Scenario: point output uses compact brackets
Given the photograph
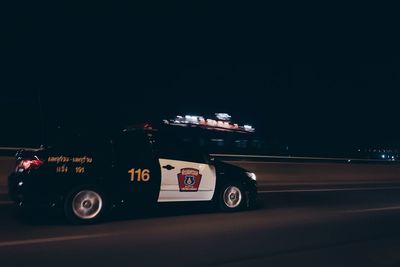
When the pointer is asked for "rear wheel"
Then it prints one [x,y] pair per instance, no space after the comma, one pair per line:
[85,205]
[231,197]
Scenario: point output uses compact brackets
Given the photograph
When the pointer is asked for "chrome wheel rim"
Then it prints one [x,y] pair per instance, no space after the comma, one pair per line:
[87,204]
[232,197]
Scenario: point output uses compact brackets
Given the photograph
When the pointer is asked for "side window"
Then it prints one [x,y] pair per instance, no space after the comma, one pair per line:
[134,145]
[173,147]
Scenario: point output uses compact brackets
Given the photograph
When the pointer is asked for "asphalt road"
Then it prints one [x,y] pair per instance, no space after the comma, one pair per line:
[314,174]
[335,228]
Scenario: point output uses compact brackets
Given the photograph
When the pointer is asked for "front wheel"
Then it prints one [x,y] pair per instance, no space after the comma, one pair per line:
[231,197]
[85,205]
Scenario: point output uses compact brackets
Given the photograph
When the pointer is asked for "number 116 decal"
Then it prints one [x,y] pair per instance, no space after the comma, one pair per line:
[139,175]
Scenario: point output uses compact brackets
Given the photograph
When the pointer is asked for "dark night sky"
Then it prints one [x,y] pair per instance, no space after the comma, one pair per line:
[322,76]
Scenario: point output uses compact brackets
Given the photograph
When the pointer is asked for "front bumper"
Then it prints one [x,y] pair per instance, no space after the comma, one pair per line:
[251,192]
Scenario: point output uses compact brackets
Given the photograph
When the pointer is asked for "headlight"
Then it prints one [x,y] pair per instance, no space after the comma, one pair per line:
[251,175]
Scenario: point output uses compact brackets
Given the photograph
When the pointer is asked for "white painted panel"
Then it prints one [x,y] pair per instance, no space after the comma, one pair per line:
[170,190]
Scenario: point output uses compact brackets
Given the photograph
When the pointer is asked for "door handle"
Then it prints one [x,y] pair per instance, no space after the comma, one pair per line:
[168,167]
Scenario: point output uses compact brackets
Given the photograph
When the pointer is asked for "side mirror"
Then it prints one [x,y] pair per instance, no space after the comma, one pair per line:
[208,159]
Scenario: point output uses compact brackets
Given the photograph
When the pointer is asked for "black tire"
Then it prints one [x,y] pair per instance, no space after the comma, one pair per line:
[231,197]
[85,205]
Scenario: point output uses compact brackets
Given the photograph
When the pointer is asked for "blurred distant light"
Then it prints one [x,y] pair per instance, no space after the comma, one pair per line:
[248,127]
[223,122]
[383,156]
[192,119]
[223,116]
[211,122]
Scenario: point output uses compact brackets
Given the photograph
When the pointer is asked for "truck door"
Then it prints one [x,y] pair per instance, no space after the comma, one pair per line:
[137,170]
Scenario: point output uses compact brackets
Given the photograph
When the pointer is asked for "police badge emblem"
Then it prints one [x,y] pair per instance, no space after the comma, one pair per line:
[189,180]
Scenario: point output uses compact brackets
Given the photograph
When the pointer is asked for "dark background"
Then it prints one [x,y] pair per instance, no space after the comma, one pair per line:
[316,77]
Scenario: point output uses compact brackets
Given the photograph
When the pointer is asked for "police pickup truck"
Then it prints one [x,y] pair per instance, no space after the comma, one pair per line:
[141,165]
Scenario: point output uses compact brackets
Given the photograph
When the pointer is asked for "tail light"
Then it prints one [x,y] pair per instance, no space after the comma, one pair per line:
[28,164]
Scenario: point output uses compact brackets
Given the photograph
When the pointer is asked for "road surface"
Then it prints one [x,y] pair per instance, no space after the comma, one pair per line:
[334,228]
